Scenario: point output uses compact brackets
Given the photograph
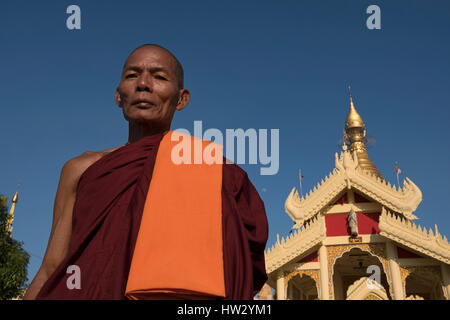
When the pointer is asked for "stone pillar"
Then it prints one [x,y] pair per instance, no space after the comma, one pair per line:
[397,285]
[288,292]
[445,272]
[323,261]
[339,293]
[280,286]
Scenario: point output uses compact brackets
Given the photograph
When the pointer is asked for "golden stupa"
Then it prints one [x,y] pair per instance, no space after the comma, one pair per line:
[356,132]
[10,218]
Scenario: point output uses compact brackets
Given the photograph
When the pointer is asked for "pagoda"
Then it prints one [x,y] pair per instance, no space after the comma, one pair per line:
[354,237]
[10,216]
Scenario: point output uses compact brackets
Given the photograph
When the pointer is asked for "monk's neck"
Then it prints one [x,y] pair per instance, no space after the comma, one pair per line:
[137,131]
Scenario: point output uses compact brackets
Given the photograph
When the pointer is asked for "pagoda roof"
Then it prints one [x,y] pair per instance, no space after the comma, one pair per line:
[414,237]
[346,175]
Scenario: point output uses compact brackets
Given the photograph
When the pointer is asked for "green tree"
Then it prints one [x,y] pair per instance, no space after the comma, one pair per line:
[13,259]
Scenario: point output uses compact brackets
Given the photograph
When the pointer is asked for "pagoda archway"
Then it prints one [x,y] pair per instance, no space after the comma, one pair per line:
[302,287]
[423,283]
[354,265]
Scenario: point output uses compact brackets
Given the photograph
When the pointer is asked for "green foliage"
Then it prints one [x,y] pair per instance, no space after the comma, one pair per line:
[13,259]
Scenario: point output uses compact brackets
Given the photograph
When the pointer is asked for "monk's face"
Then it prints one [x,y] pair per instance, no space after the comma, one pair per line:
[148,91]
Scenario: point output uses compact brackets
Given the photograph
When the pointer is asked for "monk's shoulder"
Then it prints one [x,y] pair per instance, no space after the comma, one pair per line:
[236,182]
[79,164]
[74,168]
[234,177]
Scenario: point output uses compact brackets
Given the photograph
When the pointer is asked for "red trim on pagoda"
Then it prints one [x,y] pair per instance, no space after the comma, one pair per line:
[337,224]
[402,253]
[368,222]
[313,257]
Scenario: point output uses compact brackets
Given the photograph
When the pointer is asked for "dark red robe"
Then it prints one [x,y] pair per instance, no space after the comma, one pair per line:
[106,216]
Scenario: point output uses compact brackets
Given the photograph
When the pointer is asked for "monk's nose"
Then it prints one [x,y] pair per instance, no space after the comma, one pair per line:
[145,83]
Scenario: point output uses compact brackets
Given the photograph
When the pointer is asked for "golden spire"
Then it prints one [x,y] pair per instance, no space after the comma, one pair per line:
[356,133]
[353,120]
[11,211]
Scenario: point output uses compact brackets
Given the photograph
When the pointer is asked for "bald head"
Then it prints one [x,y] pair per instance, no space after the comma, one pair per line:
[151,88]
[177,67]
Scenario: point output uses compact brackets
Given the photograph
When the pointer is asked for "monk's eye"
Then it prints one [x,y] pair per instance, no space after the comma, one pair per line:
[160,77]
[131,75]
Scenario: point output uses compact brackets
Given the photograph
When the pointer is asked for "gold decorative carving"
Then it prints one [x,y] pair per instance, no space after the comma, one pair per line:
[372,296]
[375,249]
[313,274]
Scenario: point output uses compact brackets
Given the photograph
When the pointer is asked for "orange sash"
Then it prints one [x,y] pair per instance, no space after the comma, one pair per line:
[178,252]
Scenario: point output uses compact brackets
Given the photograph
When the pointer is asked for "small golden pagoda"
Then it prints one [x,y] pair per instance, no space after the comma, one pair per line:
[354,237]
[10,218]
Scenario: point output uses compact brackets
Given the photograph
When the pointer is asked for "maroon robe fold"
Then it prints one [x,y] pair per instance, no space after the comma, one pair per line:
[106,217]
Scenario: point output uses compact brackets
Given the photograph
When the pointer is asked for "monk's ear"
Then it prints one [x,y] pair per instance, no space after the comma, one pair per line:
[117,98]
[183,99]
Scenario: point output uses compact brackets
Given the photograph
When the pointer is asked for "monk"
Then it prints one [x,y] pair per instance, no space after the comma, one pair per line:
[103,197]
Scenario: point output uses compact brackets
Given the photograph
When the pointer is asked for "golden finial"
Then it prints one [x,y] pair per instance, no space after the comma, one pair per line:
[14,200]
[353,118]
[16,197]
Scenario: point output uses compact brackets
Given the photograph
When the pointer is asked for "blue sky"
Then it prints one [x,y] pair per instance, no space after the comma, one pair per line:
[248,64]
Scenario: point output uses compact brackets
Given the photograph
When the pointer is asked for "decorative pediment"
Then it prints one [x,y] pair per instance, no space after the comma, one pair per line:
[366,289]
[298,242]
[347,174]
[413,236]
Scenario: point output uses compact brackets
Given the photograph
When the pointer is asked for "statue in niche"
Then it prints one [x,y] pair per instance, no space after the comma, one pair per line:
[352,223]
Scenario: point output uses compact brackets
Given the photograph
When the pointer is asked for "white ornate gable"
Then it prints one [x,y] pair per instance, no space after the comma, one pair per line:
[301,240]
[413,236]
